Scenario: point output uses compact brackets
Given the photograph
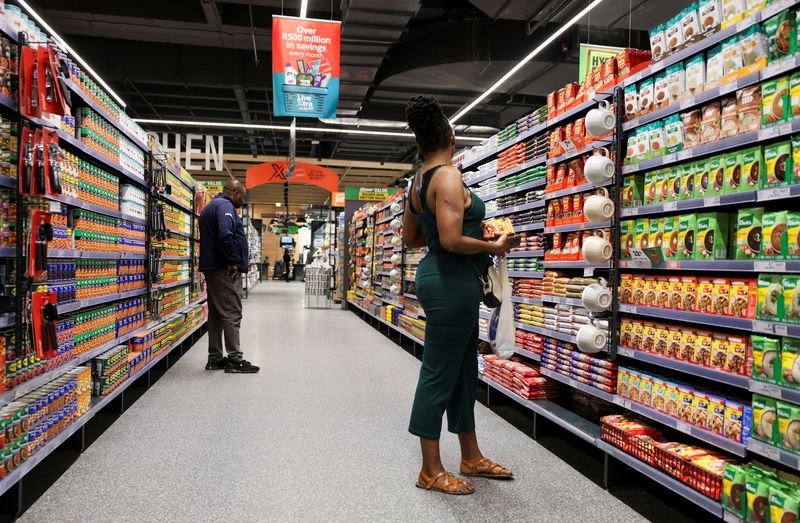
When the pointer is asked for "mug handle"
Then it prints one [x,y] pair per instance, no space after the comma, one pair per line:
[603,104]
[603,190]
[603,151]
[603,282]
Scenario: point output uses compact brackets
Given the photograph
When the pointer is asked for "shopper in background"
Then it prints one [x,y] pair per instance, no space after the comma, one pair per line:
[287,262]
[446,217]
[223,258]
[265,269]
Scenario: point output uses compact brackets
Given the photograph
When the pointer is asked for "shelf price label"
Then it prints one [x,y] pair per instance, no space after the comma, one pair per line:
[767,389]
[763,326]
[769,132]
[769,266]
[684,427]
[774,193]
[685,154]
[671,206]
[729,87]
[711,201]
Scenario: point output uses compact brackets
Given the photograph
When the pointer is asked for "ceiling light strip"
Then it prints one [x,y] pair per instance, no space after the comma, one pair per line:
[267,127]
[525,60]
[63,44]
[303,8]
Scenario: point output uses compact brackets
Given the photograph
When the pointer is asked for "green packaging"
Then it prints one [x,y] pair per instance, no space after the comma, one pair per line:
[752,167]
[687,181]
[633,191]
[651,187]
[764,416]
[774,236]
[778,164]
[662,184]
[716,175]
[782,34]
[791,298]
[733,172]
[790,363]
[784,505]
[656,232]
[627,231]
[671,237]
[793,234]
[769,304]
[734,498]
[748,233]
[712,236]
[701,176]
[788,425]
[687,227]
[757,488]
[766,358]
[642,240]
[775,101]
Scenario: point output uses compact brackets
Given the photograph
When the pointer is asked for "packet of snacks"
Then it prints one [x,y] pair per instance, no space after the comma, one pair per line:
[497,227]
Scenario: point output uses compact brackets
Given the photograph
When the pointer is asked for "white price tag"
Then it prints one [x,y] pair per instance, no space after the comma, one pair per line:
[626,404]
[728,87]
[632,168]
[772,452]
[728,517]
[625,352]
[671,206]
[711,201]
[781,330]
[763,326]
[673,265]
[774,193]
[769,132]
[685,154]
[633,211]
[683,427]
[687,102]
[767,389]
[569,147]
[769,266]
[572,383]
[669,158]
[634,122]
[588,272]
[641,259]
[55,207]
[785,128]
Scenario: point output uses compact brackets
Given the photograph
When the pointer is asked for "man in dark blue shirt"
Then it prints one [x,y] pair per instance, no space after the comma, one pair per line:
[223,257]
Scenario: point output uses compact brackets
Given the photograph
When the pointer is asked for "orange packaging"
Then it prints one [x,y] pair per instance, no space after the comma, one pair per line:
[608,71]
[570,93]
[743,297]
[550,220]
[561,176]
[639,287]
[719,351]
[560,100]
[626,288]
[705,295]
[577,209]
[579,131]
[662,339]
[550,175]
[721,297]
[736,361]
[552,105]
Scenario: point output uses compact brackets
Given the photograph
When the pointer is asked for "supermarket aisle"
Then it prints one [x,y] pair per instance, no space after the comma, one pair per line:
[320,433]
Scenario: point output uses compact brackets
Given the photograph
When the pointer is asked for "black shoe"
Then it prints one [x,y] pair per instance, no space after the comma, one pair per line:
[218,365]
[241,367]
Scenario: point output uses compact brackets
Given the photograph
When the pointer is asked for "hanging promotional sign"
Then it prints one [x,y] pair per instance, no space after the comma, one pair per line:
[590,56]
[305,66]
[338,199]
[369,194]
[305,173]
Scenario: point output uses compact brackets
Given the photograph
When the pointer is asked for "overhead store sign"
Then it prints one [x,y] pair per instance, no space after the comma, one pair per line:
[305,66]
[193,158]
[304,173]
[338,199]
[369,194]
[593,55]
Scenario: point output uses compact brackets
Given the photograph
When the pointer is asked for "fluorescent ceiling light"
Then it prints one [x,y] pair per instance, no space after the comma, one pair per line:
[278,204]
[303,8]
[231,125]
[61,43]
[525,60]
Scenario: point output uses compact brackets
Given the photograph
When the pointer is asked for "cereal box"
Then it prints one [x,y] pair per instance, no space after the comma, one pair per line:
[743,298]
[705,295]
[738,419]
[688,343]
[659,401]
[622,382]
[675,342]
[650,337]
[634,386]
[662,294]
[716,414]
[639,287]
[719,351]
[646,389]
[700,409]
[673,400]
[662,339]
[689,284]
[638,336]
[702,354]
[626,288]
[650,290]
[721,296]
[686,395]
[737,355]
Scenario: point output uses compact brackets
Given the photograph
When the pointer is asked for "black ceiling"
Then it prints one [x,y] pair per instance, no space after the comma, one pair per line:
[210,59]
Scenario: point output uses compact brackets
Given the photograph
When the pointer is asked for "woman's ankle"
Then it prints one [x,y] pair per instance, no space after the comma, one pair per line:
[432,470]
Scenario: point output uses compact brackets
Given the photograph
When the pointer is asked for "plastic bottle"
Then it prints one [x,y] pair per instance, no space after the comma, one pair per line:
[290,77]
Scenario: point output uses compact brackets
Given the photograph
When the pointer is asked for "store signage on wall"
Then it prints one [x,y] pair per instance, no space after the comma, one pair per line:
[338,199]
[593,55]
[305,173]
[193,158]
[305,66]
[369,194]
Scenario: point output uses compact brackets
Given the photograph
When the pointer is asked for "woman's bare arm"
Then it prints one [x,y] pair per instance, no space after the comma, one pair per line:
[449,208]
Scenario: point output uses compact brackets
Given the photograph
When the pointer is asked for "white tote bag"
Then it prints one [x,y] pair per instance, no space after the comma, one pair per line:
[503,344]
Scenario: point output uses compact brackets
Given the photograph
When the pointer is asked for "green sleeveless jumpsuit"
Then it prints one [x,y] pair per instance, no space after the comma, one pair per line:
[449,291]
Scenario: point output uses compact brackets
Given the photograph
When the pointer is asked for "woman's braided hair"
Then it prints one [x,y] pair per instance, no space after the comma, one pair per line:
[430,126]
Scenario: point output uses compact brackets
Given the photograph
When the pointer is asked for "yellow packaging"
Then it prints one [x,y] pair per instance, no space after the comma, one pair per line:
[660,395]
[702,353]
[622,382]
[662,339]
[662,294]
[646,389]
[688,345]
[716,414]
[673,399]
[686,395]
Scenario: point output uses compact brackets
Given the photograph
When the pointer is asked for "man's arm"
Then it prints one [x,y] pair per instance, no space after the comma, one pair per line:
[226,226]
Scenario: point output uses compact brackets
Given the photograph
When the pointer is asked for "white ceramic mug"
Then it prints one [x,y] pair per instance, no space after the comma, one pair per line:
[368,258]
[600,121]
[396,224]
[396,207]
[395,289]
[397,241]
[598,208]
[396,258]
[596,297]
[394,274]
[599,168]
[596,250]
[366,273]
[590,339]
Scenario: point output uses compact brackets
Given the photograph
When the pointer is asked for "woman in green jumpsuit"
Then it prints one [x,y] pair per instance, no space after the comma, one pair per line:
[446,217]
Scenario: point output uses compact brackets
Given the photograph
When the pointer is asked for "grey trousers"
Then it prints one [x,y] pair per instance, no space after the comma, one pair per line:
[224,314]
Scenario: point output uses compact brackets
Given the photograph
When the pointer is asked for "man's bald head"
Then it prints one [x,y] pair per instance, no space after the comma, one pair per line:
[236,192]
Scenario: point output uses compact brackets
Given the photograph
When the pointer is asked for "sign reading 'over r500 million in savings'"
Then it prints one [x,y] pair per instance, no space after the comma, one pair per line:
[305,66]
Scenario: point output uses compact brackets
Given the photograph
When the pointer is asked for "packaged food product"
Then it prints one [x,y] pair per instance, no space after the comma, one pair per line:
[752,167]
[793,234]
[732,59]
[695,74]
[712,236]
[716,174]
[748,233]
[734,497]
[645,389]
[671,237]
[791,298]
[701,177]
[774,238]
[656,232]
[673,129]
[719,351]
[687,227]
[657,138]
[766,354]
[784,504]
[790,363]
[788,425]
[689,293]
[673,400]
[710,15]
[778,164]
[631,102]
[676,82]
[659,401]
[710,125]
[714,67]
[686,190]
[794,94]
[496,227]
[764,416]
[690,23]
[646,96]
[737,355]
[638,295]
[743,298]
[622,382]
[634,386]
[748,101]
[734,163]
[633,191]
[753,43]
[660,90]
[686,395]
[732,10]
[688,342]
[781,32]
[673,32]
[738,419]
[775,101]
[628,237]
[691,128]
[662,184]
[657,42]
[716,414]
[770,297]
[757,487]
[642,240]
[699,409]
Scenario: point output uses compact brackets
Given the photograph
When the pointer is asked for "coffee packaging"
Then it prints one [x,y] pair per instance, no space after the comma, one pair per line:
[712,236]
[752,167]
[687,227]
[782,35]
[775,101]
[791,298]
[778,164]
[716,174]
[774,238]
[790,363]
[748,233]
[658,44]
[748,101]
[710,15]
[793,234]
[733,172]
[770,297]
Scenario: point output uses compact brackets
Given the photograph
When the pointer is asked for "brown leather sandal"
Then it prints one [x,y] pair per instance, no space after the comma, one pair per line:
[485,468]
[445,483]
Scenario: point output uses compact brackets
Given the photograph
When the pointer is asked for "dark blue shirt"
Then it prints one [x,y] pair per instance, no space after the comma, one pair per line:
[222,239]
